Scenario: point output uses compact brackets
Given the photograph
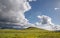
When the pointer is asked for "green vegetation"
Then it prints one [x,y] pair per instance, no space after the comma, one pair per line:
[28,33]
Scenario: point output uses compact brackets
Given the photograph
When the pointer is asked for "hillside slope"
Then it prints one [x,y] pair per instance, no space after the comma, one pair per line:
[30,32]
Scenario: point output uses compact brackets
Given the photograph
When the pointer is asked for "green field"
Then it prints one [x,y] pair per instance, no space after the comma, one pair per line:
[28,33]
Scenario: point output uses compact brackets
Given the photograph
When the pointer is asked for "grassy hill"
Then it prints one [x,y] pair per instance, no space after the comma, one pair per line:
[30,32]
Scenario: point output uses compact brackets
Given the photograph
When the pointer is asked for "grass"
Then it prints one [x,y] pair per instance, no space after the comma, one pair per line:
[28,33]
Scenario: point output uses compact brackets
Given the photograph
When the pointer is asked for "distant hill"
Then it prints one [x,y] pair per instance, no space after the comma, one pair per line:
[30,32]
[39,29]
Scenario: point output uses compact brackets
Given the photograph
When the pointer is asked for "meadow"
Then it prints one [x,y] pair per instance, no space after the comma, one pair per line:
[28,33]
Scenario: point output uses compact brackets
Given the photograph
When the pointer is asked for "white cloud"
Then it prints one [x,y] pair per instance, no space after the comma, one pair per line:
[47,24]
[12,11]
[45,19]
[56,8]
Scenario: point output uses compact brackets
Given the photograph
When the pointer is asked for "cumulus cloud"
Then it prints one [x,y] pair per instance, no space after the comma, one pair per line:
[12,11]
[45,19]
[46,23]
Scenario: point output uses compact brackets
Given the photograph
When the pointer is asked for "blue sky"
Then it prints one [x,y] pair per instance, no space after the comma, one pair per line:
[50,8]
[38,13]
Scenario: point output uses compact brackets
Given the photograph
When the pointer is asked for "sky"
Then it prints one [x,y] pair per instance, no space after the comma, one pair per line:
[49,8]
[43,14]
